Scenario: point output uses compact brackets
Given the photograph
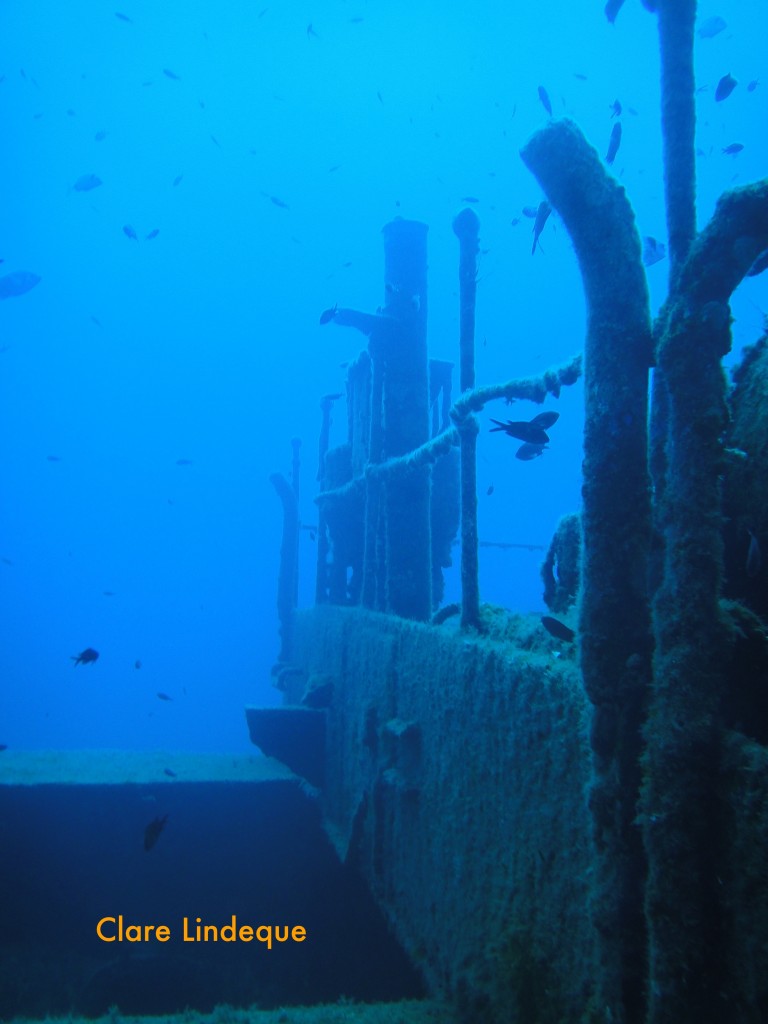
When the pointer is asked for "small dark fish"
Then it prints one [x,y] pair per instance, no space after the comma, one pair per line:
[542,215]
[515,221]
[99,136]
[311,32]
[328,314]
[215,141]
[86,182]
[530,211]
[152,234]
[711,27]
[170,773]
[489,492]
[580,77]
[615,109]
[612,8]
[613,143]
[171,74]
[163,696]
[544,97]
[53,458]
[725,87]
[522,430]
[130,232]
[18,283]
[558,629]
[528,451]
[469,199]
[177,180]
[753,85]
[545,420]
[152,832]
[760,264]
[109,593]
[123,17]
[6,561]
[653,251]
[733,149]
[754,556]
[184,462]
[277,201]
[86,657]
[137,664]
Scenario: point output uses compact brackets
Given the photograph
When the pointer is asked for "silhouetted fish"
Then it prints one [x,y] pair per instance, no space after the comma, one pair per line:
[152,832]
[711,27]
[86,657]
[545,420]
[528,451]
[163,696]
[123,17]
[613,143]
[725,87]
[18,283]
[557,628]
[130,232]
[86,182]
[152,234]
[734,148]
[170,773]
[137,664]
[615,109]
[522,430]
[544,97]
[653,251]
[171,74]
[99,136]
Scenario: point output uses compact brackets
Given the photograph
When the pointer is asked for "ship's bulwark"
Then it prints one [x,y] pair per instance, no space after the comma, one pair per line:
[456,778]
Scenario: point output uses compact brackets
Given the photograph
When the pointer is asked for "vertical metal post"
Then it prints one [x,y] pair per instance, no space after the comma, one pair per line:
[465,227]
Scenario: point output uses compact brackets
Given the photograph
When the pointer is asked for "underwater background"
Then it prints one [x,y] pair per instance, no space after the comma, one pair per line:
[194,184]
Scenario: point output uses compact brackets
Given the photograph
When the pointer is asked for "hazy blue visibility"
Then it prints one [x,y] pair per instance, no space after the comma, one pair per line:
[194,183]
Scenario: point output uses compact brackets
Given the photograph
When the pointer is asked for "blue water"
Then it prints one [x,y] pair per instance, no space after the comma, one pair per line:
[202,343]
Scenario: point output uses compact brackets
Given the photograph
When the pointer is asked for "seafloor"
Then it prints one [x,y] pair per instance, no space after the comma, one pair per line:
[343,1012]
